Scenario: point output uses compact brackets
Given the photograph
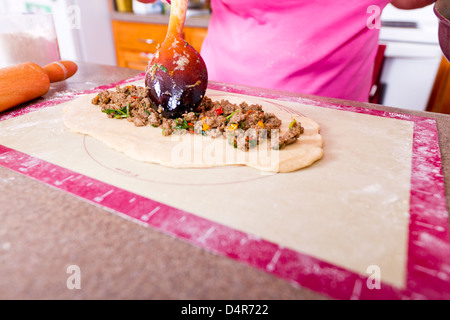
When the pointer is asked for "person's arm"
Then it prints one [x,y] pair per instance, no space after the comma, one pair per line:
[411,4]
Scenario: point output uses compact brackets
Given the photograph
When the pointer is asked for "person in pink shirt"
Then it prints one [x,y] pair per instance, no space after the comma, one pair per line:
[318,47]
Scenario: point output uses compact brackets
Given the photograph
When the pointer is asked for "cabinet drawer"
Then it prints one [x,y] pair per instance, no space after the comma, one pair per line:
[138,36]
[134,41]
[134,59]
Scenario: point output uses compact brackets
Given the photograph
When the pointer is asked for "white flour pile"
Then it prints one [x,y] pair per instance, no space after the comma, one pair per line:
[25,47]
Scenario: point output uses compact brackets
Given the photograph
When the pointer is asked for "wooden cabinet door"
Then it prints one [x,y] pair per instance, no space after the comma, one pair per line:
[135,60]
[440,95]
[136,42]
[195,36]
[138,36]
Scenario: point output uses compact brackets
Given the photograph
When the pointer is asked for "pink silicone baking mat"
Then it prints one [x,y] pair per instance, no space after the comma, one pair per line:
[428,267]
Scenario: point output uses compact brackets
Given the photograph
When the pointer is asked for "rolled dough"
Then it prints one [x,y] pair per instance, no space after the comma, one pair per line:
[147,144]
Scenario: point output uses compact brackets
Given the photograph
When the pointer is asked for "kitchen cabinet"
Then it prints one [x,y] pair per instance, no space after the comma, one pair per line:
[440,95]
[136,42]
[195,36]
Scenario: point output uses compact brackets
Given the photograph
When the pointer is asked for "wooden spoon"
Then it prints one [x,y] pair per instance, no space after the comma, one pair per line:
[176,76]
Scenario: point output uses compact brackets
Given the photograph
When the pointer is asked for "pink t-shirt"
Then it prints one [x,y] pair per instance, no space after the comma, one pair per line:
[309,46]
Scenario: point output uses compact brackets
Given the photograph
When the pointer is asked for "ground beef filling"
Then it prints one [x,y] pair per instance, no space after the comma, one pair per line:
[245,126]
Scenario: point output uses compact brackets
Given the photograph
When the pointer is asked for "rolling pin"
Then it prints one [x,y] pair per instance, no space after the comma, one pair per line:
[27,81]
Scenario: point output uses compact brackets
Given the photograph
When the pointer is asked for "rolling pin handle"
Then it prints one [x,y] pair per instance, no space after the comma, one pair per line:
[60,70]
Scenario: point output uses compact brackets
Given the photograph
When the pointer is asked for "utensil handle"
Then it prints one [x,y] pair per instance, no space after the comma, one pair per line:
[60,70]
[177,17]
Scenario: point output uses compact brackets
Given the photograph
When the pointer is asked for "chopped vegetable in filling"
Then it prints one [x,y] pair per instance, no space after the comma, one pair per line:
[245,126]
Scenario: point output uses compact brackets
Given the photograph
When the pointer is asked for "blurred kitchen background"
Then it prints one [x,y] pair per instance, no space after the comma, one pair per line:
[126,32]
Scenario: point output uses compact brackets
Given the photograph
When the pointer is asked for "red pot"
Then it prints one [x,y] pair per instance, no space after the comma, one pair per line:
[442,11]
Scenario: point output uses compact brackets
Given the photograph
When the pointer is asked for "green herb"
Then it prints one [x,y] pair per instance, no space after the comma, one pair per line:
[229,117]
[109,111]
[119,113]
[163,68]
[148,112]
[160,66]
[184,124]
[293,122]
